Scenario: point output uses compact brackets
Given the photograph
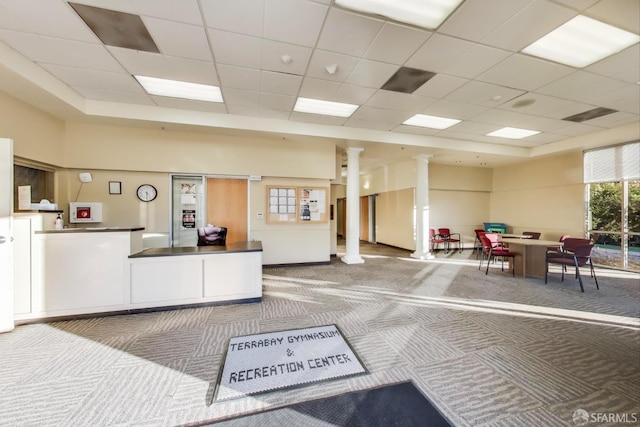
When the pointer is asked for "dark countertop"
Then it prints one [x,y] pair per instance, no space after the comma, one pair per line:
[200,250]
[89,230]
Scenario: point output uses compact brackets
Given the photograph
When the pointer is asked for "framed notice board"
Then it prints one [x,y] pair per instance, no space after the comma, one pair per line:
[313,204]
[282,204]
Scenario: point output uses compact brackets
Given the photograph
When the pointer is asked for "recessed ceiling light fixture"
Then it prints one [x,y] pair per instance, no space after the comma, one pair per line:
[326,108]
[423,13]
[178,89]
[433,122]
[581,42]
[513,133]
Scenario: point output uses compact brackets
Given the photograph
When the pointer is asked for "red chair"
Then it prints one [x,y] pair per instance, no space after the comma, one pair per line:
[477,245]
[449,237]
[435,239]
[578,256]
[492,248]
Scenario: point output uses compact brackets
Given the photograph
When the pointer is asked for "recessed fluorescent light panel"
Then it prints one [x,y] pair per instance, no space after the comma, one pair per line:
[326,108]
[513,133]
[178,89]
[581,42]
[432,122]
[423,13]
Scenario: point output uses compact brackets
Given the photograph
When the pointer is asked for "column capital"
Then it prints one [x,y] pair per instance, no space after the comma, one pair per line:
[354,150]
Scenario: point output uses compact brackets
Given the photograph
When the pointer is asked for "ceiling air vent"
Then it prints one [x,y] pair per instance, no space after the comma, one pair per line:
[590,114]
[117,28]
[407,80]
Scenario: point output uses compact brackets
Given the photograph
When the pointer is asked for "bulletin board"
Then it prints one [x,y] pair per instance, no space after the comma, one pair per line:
[282,204]
[313,204]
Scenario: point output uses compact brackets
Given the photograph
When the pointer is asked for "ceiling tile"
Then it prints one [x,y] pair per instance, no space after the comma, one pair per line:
[396,43]
[582,86]
[624,14]
[94,79]
[381,114]
[537,104]
[322,58]
[241,97]
[50,18]
[398,101]
[166,101]
[304,26]
[165,67]
[280,83]
[524,72]
[191,44]
[613,120]
[623,65]
[238,16]
[438,53]
[114,96]
[547,16]
[471,127]
[353,94]
[239,77]
[319,89]
[452,109]
[440,86]
[274,101]
[317,118]
[625,98]
[480,93]
[465,22]
[348,33]
[185,11]
[236,49]
[417,130]
[501,118]
[272,53]
[475,61]
[60,51]
[371,74]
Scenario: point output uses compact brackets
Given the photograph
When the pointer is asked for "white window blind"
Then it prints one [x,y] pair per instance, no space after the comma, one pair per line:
[621,162]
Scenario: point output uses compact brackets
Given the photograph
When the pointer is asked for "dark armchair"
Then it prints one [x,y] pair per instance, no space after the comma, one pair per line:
[573,256]
[212,235]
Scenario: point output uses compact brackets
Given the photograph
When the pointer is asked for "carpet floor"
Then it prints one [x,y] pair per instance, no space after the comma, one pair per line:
[487,350]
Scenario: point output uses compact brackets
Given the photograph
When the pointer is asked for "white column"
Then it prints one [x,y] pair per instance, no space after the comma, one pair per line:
[352,255]
[423,248]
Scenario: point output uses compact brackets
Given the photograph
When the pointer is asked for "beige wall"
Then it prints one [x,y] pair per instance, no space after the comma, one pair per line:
[140,149]
[290,243]
[459,199]
[36,135]
[544,195]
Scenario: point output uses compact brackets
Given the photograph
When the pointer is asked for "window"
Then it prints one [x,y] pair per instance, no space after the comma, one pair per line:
[612,176]
[40,180]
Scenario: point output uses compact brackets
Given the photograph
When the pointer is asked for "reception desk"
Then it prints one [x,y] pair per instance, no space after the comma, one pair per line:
[195,275]
[100,270]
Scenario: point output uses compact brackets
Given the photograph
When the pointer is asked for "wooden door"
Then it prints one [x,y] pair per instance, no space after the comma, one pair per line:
[227,206]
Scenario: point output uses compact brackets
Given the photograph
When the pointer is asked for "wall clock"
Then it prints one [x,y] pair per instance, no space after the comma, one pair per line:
[147,192]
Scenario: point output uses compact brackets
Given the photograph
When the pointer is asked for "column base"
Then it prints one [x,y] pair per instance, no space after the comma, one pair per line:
[428,255]
[352,259]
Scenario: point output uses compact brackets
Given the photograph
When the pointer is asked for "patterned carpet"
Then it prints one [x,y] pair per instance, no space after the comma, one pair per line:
[488,350]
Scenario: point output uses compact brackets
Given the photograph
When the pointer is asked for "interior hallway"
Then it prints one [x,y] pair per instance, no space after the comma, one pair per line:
[488,350]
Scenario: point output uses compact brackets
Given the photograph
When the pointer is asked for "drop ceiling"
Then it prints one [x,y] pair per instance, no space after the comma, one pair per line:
[264,54]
